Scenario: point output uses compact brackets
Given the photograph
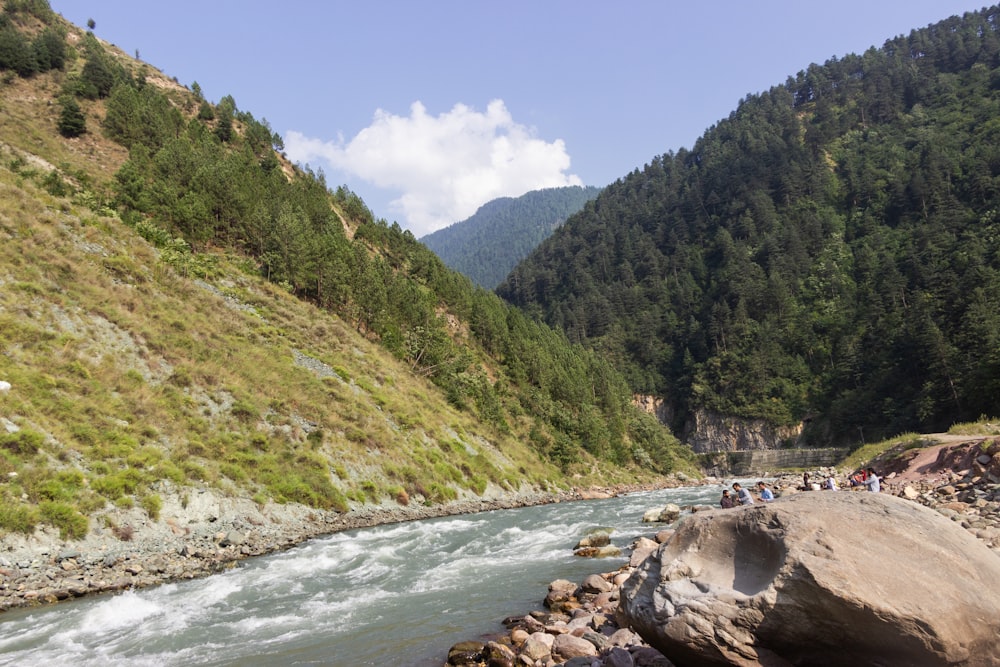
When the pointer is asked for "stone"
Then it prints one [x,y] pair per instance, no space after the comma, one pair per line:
[532,625]
[518,636]
[498,655]
[618,657]
[466,653]
[663,536]
[536,648]
[666,514]
[624,637]
[819,579]
[595,540]
[561,592]
[231,538]
[609,551]
[955,506]
[651,515]
[599,641]
[569,646]
[649,657]
[641,549]
[595,583]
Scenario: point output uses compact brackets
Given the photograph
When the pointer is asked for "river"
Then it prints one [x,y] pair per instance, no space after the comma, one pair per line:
[398,595]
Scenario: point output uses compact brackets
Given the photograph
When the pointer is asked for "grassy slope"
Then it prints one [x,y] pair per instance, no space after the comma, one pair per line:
[128,367]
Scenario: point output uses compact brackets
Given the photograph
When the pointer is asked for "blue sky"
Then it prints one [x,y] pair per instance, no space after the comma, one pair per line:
[428,109]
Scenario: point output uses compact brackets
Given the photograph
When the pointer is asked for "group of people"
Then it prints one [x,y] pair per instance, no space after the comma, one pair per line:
[866,478]
[744,497]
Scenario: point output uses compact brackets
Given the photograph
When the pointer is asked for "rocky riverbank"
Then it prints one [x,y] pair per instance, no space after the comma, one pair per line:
[200,532]
[581,625]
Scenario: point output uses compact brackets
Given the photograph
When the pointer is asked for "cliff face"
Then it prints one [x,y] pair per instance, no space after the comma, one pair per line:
[706,431]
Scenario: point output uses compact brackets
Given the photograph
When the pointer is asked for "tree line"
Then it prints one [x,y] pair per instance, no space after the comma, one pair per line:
[826,254]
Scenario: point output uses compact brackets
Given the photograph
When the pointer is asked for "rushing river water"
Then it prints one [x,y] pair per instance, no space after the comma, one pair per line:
[393,595]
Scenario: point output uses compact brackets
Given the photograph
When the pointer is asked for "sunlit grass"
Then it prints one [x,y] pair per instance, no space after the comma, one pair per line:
[985,426]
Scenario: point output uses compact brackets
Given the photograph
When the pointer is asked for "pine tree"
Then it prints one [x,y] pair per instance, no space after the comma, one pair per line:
[72,122]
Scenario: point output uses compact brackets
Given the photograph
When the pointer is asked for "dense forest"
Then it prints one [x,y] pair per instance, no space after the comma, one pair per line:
[203,178]
[829,253]
[486,246]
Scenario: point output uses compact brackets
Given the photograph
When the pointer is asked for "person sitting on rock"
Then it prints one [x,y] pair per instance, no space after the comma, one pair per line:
[830,484]
[766,495]
[742,494]
[727,500]
[872,481]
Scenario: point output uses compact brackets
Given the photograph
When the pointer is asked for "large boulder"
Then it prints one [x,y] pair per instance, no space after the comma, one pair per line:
[820,579]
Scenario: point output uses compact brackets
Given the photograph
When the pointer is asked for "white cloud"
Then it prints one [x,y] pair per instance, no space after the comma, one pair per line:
[445,166]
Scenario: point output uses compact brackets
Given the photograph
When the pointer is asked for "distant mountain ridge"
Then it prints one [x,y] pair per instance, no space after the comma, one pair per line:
[487,245]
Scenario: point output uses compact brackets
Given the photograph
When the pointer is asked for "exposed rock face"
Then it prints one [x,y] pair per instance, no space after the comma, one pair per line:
[708,431]
[712,432]
[832,578]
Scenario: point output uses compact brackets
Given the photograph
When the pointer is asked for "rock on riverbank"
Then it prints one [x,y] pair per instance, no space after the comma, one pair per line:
[960,481]
[820,578]
[579,627]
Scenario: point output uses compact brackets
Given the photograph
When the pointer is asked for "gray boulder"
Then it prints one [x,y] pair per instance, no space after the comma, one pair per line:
[570,646]
[819,579]
[667,514]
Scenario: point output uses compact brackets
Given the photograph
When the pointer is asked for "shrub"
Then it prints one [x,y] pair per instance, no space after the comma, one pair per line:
[18,518]
[71,524]
[152,504]
[123,533]
[244,411]
[477,483]
[402,497]
[234,472]
[194,471]
[22,443]
[118,484]
[370,489]
[439,493]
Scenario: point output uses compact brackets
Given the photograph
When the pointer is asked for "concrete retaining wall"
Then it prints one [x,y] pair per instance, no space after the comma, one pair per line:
[760,461]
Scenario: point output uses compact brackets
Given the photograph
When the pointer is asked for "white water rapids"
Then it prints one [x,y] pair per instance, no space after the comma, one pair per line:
[400,594]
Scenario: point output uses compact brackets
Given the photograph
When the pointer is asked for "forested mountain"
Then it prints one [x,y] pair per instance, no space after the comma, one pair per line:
[180,306]
[486,246]
[830,252]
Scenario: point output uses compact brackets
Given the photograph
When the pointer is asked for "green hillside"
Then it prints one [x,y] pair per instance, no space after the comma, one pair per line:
[180,305]
[828,253]
[486,246]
